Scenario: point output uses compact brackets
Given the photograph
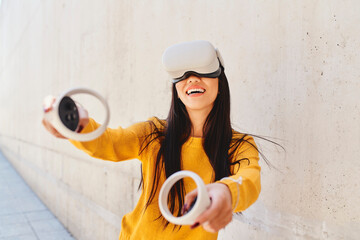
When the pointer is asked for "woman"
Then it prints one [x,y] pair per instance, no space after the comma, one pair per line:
[196,136]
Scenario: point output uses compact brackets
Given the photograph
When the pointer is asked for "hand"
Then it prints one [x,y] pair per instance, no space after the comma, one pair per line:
[48,106]
[219,214]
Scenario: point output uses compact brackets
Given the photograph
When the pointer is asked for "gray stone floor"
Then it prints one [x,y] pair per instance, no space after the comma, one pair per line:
[22,215]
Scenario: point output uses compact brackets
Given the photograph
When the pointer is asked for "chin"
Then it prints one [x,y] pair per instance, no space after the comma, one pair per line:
[197,107]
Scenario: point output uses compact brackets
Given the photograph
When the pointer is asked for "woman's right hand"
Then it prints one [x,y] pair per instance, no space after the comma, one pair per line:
[48,106]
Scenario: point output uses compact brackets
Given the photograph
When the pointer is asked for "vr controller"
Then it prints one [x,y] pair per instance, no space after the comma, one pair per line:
[65,115]
[199,205]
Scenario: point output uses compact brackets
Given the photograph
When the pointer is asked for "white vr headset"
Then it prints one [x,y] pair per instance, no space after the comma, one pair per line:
[198,58]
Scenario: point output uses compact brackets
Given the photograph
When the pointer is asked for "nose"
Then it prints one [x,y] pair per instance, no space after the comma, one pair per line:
[192,79]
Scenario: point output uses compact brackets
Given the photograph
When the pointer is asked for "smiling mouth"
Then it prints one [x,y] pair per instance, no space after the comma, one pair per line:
[194,91]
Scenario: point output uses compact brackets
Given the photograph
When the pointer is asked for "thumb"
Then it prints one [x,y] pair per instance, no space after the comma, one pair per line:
[48,102]
[190,199]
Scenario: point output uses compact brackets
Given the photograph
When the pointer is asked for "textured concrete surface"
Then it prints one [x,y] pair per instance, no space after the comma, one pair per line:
[293,72]
[22,214]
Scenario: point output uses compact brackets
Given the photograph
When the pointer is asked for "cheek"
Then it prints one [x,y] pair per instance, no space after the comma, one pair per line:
[179,88]
[214,88]
[217,85]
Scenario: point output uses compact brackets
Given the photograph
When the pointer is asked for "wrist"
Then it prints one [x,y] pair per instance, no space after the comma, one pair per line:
[226,191]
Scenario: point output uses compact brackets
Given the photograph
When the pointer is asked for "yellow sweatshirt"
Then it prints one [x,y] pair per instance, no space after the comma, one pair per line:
[123,144]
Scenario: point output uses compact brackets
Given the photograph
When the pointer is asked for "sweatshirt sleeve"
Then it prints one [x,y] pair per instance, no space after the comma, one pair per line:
[244,185]
[114,144]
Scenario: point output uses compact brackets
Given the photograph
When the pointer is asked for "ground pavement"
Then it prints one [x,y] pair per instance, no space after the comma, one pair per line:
[22,215]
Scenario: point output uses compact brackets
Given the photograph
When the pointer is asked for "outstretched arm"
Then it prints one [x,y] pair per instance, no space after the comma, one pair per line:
[231,194]
[114,144]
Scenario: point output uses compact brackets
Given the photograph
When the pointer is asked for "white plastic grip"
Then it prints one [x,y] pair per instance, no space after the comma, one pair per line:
[201,204]
[54,118]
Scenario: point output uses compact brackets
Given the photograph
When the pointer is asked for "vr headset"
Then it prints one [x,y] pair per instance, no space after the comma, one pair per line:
[198,58]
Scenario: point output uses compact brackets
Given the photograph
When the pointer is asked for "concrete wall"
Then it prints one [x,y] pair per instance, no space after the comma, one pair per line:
[293,68]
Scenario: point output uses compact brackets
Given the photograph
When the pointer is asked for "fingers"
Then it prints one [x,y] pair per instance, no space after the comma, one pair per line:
[219,222]
[191,196]
[215,218]
[48,106]
[51,129]
[48,103]
[219,214]
[189,199]
[210,213]
[83,117]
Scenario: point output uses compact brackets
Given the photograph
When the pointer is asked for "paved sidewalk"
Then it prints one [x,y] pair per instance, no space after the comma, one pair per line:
[22,215]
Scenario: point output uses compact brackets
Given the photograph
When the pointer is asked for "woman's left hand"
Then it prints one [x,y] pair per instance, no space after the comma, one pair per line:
[219,214]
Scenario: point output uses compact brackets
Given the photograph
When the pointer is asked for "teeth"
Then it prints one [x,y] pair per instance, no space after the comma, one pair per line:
[195,90]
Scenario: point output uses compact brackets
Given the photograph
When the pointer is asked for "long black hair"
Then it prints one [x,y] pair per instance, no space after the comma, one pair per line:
[218,143]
